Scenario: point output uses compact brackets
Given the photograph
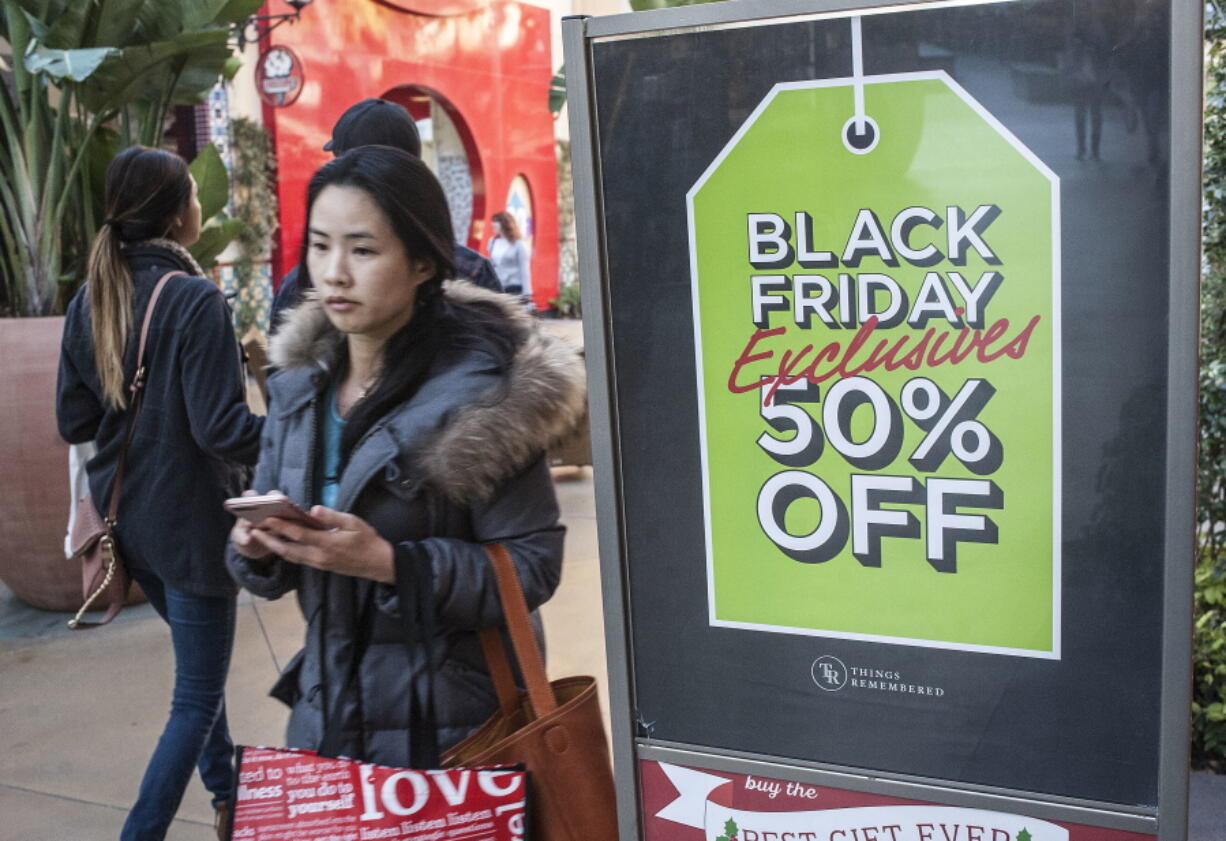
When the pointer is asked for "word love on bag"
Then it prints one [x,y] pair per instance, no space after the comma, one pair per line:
[294,795]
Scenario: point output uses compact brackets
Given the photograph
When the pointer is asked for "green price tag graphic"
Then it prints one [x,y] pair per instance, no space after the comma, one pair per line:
[876,305]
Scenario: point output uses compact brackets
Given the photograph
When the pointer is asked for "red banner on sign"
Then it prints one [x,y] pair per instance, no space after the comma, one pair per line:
[687,804]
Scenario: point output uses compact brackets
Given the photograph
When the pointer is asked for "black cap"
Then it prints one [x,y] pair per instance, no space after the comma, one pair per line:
[375,122]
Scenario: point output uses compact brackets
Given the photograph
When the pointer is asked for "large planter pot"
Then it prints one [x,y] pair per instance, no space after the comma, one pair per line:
[33,468]
[34,494]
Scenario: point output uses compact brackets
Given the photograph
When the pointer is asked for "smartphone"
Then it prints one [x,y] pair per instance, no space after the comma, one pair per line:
[256,509]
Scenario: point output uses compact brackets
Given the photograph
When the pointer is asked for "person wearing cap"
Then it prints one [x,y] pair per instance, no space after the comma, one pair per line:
[378,122]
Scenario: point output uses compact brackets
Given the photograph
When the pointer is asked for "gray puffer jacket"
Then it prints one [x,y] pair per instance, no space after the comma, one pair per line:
[461,463]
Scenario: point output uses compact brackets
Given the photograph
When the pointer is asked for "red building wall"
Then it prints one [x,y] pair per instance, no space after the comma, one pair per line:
[488,61]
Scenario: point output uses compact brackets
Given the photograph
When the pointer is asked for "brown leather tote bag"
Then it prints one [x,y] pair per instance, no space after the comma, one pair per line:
[554,729]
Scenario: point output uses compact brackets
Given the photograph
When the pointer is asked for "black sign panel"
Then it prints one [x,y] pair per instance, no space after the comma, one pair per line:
[1084,89]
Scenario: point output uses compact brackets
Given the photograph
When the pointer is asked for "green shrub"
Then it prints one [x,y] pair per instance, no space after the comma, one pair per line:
[1209,675]
[1209,642]
[568,303]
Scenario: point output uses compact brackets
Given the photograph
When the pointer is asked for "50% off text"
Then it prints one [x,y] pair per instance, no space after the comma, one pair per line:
[950,426]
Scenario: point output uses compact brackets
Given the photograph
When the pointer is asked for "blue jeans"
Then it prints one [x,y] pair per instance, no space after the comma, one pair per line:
[196,734]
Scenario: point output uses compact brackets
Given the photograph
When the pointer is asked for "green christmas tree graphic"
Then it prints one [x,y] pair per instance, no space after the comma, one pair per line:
[730,830]
[1024,835]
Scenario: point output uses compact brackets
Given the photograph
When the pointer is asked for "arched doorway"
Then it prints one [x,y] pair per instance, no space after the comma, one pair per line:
[449,149]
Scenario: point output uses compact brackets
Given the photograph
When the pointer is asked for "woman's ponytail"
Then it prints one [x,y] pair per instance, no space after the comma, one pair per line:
[145,190]
[110,311]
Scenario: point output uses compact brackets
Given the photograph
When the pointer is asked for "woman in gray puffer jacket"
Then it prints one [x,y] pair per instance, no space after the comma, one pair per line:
[413,416]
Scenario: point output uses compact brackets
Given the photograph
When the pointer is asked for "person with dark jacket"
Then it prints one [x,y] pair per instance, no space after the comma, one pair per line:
[385,123]
[192,430]
[411,415]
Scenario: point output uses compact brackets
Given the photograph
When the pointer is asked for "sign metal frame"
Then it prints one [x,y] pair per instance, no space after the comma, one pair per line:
[1169,820]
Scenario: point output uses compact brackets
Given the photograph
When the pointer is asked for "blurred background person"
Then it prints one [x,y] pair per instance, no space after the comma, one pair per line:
[378,122]
[509,254]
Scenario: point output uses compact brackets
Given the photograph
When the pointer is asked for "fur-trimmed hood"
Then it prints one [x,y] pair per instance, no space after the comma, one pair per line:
[474,440]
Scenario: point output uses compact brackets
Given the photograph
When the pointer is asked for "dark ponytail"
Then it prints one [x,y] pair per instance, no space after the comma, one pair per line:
[145,190]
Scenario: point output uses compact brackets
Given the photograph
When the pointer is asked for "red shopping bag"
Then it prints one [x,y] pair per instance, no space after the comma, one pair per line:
[297,795]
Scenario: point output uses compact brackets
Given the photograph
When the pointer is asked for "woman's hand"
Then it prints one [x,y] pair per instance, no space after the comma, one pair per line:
[349,546]
[243,536]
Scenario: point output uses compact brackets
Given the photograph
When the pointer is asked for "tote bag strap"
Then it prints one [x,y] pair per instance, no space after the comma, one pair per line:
[499,668]
[523,641]
[137,388]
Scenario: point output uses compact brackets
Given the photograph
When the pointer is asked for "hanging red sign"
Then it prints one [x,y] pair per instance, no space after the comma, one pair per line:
[279,77]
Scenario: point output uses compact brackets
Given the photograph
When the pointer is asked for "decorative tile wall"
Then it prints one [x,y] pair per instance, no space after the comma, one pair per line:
[251,302]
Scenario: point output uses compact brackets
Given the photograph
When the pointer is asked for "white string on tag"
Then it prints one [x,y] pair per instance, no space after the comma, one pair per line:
[860,133]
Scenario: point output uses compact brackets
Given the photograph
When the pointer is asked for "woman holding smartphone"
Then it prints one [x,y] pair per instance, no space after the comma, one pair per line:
[410,416]
[192,429]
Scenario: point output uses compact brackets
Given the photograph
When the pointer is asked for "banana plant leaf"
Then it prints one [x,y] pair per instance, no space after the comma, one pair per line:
[37,28]
[67,32]
[74,65]
[237,10]
[198,70]
[557,91]
[125,23]
[212,181]
[213,186]
[44,9]
[139,72]
[214,237]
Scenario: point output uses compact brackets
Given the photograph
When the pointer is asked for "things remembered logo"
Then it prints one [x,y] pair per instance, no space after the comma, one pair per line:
[831,675]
